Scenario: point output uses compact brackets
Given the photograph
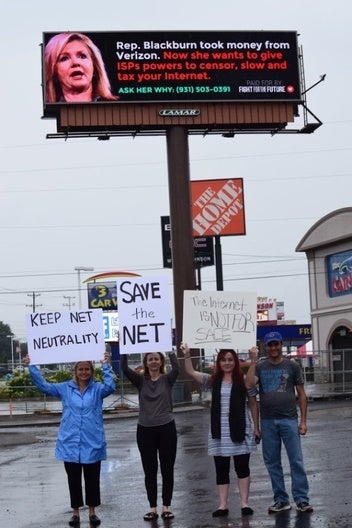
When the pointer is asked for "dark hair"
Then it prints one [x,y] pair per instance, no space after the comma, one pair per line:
[237,374]
[145,366]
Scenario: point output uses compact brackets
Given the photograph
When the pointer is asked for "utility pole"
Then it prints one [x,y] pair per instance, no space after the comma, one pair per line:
[33,305]
[79,269]
[69,303]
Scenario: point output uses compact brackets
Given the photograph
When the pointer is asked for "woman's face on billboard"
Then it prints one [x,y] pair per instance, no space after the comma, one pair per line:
[74,70]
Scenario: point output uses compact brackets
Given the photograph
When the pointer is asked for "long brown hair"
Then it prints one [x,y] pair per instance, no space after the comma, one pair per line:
[145,366]
[237,374]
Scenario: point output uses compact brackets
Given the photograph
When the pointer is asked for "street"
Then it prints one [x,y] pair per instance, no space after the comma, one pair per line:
[34,490]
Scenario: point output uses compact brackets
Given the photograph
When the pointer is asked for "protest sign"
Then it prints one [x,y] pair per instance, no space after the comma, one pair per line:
[65,337]
[218,319]
[144,315]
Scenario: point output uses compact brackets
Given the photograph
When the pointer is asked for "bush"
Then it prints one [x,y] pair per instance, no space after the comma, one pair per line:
[21,386]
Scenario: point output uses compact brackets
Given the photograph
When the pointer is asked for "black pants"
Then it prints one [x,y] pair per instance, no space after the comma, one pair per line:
[91,474]
[222,467]
[162,440]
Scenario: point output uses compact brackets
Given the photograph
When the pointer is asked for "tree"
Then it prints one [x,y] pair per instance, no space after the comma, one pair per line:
[5,343]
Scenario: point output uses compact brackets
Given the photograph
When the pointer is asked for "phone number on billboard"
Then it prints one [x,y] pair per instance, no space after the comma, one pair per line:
[203,89]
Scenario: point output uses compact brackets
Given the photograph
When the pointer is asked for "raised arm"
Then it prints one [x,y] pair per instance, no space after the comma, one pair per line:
[128,372]
[52,389]
[109,382]
[197,376]
[251,378]
[175,368]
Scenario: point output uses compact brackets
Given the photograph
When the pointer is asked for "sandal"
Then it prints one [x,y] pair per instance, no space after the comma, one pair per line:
[94,520]
[167,515]
[150,516]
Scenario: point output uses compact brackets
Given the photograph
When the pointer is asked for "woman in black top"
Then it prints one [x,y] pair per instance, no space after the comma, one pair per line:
[156,430]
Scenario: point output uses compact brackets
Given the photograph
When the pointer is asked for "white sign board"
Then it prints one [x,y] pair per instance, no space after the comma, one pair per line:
[218,319]
[144,315]
[65,337]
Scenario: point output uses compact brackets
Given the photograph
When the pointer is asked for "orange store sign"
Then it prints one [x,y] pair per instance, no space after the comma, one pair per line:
[218,207]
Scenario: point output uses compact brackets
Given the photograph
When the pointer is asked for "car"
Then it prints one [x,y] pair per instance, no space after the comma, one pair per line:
[46,370]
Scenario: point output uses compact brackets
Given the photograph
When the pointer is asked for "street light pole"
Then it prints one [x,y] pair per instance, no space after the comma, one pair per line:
[12,358]
[79,269]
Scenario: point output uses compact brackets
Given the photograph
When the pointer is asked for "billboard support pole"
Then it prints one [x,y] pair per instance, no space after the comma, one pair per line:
[181,219]
[218,264]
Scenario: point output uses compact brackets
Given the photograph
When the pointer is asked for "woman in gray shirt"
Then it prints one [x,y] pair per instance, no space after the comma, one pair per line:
[156,430]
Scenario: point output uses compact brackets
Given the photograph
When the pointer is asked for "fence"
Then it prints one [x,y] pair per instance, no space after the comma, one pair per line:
[327,373]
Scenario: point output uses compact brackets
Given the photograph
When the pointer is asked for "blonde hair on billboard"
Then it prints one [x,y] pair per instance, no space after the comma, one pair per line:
[53,49]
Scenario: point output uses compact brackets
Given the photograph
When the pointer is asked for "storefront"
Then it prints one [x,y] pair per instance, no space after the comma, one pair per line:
[328,247]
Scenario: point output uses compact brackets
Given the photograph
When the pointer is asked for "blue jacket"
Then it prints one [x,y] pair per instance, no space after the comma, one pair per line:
[81,436]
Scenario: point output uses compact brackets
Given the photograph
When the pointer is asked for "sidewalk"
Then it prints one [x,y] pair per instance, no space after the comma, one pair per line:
[315,392]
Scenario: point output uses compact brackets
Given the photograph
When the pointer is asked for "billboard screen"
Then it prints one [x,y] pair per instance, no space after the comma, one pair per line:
[175,66]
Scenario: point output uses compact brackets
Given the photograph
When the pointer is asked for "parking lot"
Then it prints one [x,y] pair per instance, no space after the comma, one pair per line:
[35,492]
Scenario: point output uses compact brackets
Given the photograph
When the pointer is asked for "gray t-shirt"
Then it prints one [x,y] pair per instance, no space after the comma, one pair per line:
[155,397]
[277,388]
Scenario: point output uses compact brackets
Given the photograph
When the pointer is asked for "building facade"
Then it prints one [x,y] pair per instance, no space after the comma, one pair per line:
[328,248]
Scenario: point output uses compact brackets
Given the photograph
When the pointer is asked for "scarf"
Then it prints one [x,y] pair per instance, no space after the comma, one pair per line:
[237,418]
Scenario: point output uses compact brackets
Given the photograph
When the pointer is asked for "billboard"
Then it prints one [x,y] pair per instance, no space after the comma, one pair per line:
[175,66]
[218,207]
[102,295]
[203,247]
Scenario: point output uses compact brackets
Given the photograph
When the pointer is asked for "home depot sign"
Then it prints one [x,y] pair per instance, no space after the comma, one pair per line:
[218,207]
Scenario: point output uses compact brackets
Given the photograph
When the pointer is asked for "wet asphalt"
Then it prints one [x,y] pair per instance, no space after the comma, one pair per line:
[34,490]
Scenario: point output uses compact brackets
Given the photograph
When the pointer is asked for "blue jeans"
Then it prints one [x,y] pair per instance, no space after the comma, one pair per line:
[274,433]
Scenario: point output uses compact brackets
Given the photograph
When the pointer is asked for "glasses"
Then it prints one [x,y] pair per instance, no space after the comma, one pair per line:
[273,344]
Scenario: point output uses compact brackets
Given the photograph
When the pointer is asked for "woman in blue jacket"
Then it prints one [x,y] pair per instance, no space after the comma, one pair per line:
[81,443]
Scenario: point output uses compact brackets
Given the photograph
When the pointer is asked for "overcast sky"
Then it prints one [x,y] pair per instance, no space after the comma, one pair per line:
[84,202]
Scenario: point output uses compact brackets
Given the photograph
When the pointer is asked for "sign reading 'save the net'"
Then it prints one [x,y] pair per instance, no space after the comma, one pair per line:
[158,66]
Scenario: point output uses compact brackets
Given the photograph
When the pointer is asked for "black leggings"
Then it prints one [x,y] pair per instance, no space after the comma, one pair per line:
[222,467]
[91,474]
[162,440]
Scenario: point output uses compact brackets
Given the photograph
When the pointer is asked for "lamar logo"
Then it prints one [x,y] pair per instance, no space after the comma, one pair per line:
[173,113]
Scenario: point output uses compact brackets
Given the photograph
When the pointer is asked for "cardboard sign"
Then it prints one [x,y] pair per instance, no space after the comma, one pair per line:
[144,315]
[217,319]
[65,337]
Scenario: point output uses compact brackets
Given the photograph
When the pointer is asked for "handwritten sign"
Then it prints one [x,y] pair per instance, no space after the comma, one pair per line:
[64,337]
[217,319]
[144,315]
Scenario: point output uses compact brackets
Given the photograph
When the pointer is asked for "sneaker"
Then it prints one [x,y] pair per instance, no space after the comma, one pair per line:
[279,506]
[304,507]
